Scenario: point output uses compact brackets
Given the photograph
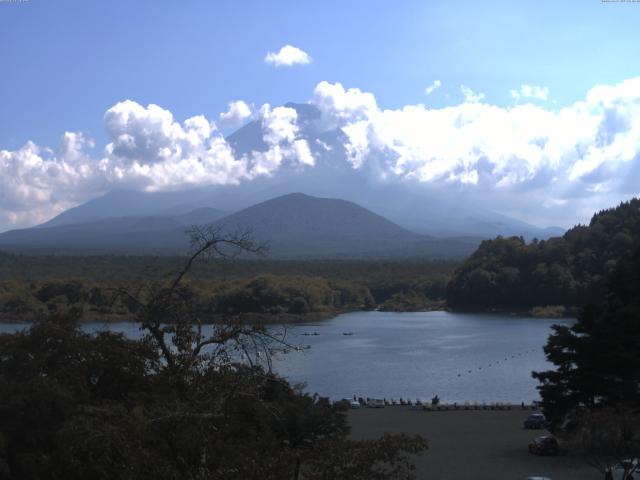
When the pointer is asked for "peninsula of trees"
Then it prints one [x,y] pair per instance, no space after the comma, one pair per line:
[572,270]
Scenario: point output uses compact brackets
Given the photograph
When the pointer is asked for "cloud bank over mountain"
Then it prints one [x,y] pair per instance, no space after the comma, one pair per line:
[543,164]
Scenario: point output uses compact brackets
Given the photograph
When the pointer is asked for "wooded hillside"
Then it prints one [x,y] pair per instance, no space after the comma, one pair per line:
[570,270]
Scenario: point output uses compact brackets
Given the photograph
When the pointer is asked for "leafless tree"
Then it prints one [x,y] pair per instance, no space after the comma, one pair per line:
[166,313]
[194,354]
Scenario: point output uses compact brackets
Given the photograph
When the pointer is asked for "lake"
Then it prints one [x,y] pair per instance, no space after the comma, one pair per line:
[459,357]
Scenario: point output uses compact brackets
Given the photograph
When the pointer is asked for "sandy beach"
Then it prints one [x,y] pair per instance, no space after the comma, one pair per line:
[475,444]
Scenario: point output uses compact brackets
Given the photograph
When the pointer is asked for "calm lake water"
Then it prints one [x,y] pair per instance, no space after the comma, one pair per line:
[459,357]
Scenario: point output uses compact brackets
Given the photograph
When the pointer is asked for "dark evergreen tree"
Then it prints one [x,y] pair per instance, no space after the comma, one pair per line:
[598,358]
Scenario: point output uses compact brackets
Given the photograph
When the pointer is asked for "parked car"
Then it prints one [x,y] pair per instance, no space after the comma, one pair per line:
[354,404]
[545,445]
[629,467]
[535,421]
[375,403]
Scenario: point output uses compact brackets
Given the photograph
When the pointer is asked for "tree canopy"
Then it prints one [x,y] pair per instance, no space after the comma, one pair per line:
[31,286]
[570,270]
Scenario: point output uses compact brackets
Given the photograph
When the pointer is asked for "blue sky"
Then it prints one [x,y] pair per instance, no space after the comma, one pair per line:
[68,66]
[65,62]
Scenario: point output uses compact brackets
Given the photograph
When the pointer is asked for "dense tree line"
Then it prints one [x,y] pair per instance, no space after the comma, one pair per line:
[216,287]
[569,270]
[110,269]
[264,294]
[297,295]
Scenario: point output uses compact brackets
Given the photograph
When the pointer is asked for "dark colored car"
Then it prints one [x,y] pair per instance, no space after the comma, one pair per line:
[535,421]
[545,445]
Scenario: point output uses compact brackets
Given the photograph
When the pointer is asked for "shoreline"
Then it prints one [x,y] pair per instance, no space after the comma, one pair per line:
[251,318]
[569,311]
[254,318]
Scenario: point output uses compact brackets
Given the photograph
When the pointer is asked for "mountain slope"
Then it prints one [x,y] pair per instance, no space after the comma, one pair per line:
[133,234]
[199,216]
[295,226]
[298,224]
[301,214]
[409,204]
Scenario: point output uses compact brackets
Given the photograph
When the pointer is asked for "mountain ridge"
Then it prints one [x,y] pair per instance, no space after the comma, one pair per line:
[407,203]
[296,225]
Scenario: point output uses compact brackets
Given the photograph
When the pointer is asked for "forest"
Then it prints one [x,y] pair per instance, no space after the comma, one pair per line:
[509,273]
[545,277]
[262,289]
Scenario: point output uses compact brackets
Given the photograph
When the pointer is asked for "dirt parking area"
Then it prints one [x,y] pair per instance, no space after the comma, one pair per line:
[471,444]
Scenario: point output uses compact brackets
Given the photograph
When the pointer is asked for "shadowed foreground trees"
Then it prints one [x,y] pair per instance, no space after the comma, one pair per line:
[598,357]
[183,402]
[594,392]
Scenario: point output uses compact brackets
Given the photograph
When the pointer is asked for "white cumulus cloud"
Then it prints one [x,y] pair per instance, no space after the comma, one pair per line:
[470,96]
[521,158]
[530,91]
[340,107]
[587,150]
[237,114]
[303,152]
[35,185]
[278,124]
[288,56]
[149,150]
[433,87]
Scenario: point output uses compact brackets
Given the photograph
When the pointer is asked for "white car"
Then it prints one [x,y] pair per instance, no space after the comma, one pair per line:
[354,404]
[375,403]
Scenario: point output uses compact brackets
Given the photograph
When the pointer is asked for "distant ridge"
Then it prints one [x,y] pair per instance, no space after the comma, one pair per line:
[130,203]
[295,225]
[119,235]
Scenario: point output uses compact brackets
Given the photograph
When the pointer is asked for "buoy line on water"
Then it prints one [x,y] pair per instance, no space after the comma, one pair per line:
[510,356]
